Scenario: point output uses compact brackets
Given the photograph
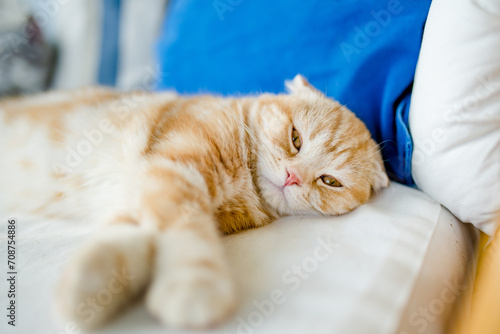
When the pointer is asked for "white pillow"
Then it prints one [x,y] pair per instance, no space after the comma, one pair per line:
[455,110]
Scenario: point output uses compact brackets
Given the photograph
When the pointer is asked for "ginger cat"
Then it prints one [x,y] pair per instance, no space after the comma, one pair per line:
[166,175]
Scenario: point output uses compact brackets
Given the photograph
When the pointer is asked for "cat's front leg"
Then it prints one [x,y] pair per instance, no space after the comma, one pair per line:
[192,286]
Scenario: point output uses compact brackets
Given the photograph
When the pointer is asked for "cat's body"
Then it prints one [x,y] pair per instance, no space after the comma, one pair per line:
[91,148]
[167,175]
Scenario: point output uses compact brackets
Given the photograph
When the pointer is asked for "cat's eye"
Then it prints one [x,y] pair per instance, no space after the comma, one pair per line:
[296,140]
[331,181]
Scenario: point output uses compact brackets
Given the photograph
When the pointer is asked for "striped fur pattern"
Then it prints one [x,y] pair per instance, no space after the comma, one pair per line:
[167,175]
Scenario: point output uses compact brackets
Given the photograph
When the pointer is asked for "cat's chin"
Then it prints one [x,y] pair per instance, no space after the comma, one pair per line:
[275,196]
[279,199]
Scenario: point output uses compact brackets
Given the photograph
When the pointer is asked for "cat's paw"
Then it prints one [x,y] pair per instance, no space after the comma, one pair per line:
[105,276]
[192,298]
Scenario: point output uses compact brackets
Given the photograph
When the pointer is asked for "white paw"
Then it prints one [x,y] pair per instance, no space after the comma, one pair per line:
[192,298]
[102,279]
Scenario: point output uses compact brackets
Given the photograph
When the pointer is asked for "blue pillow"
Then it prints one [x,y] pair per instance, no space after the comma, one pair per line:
[363,53]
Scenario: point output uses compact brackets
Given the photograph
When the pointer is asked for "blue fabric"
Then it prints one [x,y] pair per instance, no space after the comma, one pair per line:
[361,52]
[108,64]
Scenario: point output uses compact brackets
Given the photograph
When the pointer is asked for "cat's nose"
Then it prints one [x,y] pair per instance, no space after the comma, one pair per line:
[292,179]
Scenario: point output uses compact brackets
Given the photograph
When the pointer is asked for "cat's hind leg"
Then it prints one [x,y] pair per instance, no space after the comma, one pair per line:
[176,247]
[106,275]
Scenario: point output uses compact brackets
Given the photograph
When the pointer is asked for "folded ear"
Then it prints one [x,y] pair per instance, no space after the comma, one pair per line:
[300,86]
[380,180]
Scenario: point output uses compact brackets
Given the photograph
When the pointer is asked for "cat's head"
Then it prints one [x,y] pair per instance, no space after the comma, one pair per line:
[314,155]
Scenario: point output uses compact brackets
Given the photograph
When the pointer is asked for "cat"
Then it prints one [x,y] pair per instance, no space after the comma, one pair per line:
[167,175]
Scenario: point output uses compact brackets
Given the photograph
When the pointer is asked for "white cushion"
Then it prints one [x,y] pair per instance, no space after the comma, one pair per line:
[455,110]
[370,278]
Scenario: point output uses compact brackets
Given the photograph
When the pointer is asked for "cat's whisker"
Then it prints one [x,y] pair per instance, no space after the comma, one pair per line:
[376,149]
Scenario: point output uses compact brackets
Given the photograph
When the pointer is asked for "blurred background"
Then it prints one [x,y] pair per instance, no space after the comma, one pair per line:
[362,53]
[74,43]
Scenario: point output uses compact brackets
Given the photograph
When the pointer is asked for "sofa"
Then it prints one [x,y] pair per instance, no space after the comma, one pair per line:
[403,263]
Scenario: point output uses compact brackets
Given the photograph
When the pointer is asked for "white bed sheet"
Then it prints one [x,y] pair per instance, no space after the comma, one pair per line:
[380,263]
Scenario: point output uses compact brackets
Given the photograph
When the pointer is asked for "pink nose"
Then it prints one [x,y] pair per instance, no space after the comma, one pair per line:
[292,179]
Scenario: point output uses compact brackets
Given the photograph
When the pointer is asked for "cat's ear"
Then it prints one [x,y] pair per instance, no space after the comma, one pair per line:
[300,86]
[380,179]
